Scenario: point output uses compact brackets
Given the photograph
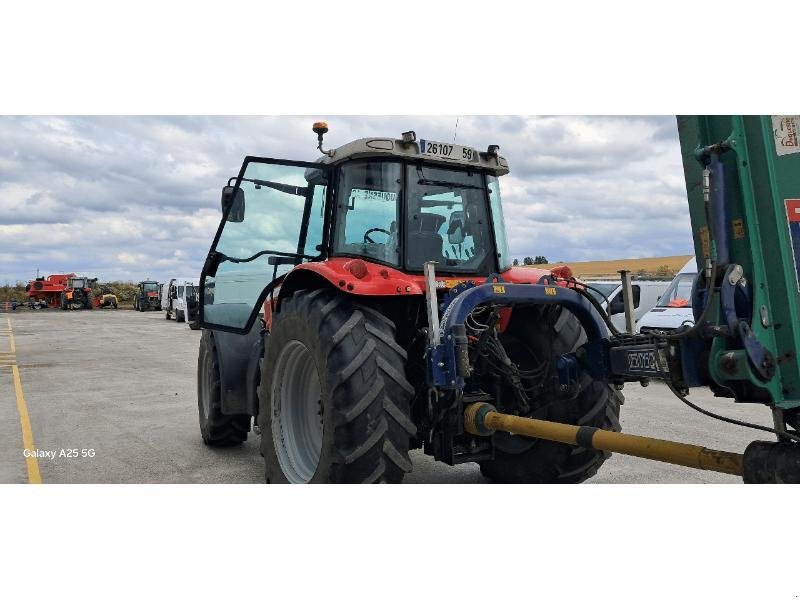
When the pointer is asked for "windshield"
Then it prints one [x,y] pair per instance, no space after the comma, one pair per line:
[150,287]
[78,283]
[603,288]
[679,292]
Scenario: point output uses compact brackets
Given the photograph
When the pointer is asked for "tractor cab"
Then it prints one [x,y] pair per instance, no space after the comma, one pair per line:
[364,218]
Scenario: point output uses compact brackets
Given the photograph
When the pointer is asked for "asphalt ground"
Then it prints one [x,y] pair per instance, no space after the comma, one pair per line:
[110,396]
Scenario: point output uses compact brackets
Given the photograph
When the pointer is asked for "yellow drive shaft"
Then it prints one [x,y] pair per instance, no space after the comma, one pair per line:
[481,418]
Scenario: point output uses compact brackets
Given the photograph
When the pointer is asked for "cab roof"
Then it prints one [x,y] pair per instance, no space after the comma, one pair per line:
[388,147]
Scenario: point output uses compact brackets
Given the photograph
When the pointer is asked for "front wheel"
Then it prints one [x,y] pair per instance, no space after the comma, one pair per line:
[179,316]
[216,428]
[334,399]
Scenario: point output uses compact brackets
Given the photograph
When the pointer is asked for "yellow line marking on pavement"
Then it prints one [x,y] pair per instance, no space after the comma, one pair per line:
[24,419]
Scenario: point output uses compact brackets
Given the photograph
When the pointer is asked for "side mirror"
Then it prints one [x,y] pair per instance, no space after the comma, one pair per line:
[236,203]
[455,228]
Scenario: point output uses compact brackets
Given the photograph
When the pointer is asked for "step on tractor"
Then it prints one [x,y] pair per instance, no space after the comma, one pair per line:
[147,296]
[365,305]
[77,293]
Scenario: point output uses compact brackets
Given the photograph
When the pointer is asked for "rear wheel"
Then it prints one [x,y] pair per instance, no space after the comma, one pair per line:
[217,429]
[548,333]
[334,399]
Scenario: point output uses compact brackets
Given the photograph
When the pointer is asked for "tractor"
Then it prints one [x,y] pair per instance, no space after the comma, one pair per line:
[329,353]
[147,296]
[77,293]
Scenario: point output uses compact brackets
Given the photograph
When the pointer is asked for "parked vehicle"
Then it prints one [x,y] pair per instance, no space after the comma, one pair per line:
[147,296]
[77,293]
[646,294]
[674,307]
[337,374]
[181,300]
[46,292]
[107,298]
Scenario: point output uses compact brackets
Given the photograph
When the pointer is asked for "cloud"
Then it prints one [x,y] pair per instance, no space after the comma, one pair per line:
[134,197]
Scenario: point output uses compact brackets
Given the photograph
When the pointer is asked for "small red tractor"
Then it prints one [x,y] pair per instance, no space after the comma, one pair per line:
[77,293]
[317,321]
[147,296]
[46,292]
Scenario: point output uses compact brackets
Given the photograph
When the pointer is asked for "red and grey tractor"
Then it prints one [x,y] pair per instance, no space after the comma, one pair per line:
[355,305]
[147,296]
[77,293]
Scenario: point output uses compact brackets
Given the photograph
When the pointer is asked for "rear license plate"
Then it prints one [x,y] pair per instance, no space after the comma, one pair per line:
[449,151]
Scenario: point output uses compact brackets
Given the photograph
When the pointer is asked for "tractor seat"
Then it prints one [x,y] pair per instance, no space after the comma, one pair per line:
[424,241]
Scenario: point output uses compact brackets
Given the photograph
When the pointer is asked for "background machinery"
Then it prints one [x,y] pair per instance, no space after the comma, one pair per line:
[107,298]
[77,293]
[46,292]
[147,296]
[394,320]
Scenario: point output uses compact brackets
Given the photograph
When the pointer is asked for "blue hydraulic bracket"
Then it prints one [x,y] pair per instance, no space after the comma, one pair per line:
[448,360]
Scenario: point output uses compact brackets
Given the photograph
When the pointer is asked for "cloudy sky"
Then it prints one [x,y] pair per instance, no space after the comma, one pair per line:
[124,198]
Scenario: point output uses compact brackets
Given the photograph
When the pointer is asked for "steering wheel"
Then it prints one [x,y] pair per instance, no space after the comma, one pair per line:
[369,240]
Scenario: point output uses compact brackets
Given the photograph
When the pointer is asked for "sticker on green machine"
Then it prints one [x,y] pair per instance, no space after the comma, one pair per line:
[786,130]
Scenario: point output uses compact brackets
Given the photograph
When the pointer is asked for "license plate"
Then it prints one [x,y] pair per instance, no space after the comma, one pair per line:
[448,151]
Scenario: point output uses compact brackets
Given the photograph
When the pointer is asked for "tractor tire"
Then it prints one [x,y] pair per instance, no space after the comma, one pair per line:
[334,401]
[63,301]
[524,460]
[167,315]
[216,429]
[180,317]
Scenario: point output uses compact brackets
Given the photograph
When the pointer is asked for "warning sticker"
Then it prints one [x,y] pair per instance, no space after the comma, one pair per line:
[786,131]
[793,216]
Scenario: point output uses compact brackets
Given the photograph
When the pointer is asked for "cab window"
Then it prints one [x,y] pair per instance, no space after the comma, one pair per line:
[367,211]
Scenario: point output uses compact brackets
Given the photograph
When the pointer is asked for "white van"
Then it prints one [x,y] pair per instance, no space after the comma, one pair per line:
[181,299]
[645,295]
[674,308]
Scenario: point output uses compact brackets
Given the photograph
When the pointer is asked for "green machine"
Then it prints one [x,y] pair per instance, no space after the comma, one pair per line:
[743,183]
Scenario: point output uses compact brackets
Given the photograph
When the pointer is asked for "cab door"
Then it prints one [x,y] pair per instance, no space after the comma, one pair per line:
[273,218]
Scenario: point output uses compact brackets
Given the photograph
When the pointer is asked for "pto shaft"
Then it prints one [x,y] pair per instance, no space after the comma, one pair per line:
[481,418]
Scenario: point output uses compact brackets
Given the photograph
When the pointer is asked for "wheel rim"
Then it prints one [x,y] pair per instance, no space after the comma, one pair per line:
[205,395]
[297,413]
